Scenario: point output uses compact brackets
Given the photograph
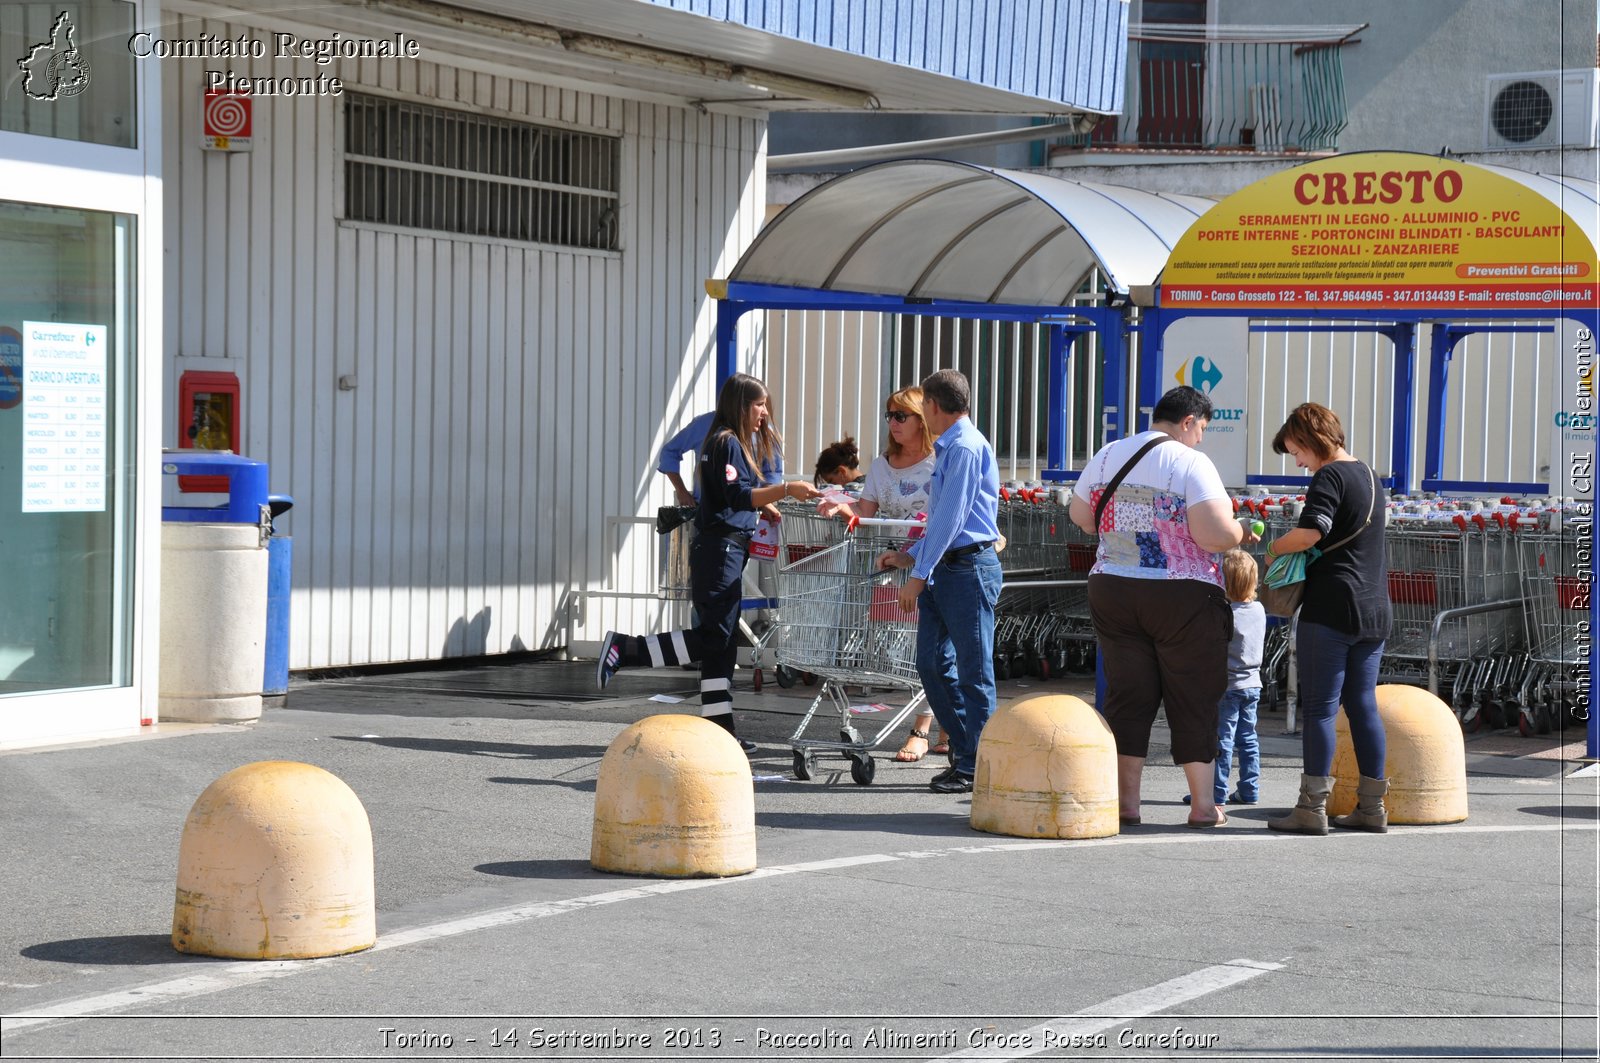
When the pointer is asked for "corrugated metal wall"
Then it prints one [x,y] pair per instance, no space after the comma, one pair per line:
[505,399]
[997,44]
[1498,400]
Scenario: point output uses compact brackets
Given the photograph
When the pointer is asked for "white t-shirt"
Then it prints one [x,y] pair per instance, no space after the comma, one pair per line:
[1144,532]
[900,493]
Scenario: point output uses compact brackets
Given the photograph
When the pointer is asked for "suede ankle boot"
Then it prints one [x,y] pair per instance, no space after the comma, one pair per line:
[1370,815]
[1309,815]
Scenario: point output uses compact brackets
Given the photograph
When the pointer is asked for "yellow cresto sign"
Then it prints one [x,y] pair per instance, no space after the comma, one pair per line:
[1383,230]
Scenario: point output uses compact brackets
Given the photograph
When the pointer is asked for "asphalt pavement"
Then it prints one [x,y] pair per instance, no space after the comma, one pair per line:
[879,925]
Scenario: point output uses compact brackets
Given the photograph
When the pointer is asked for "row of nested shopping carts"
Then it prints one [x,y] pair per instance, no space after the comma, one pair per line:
[1490,602]
[1487,601]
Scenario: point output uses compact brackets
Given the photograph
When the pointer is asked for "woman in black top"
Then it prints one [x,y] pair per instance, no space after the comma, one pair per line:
[1344,619]
[740,441]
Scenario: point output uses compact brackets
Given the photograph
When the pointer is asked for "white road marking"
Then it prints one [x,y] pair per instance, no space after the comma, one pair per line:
[247,972]
[1116,1011]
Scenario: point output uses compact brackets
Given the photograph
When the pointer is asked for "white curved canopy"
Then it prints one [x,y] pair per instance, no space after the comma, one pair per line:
[932,229]
[1578,198]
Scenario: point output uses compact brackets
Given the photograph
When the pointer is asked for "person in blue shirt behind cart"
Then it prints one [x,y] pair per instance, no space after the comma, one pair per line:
[740,440]
[687,440]
[955,577]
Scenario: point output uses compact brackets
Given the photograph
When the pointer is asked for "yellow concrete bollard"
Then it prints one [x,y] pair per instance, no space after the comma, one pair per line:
[1426,765]
[275,863]
[675,799]
[1047,768]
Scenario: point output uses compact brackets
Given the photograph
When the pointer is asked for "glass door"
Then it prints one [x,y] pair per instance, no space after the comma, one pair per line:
[66,412]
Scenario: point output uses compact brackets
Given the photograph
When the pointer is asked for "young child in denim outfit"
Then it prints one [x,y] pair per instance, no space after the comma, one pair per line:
[1236,712]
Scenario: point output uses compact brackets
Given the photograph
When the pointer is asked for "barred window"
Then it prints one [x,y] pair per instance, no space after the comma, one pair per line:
[450,171]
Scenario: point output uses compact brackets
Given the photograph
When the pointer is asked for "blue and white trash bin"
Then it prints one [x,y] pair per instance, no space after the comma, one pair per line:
[280,563]
[214,583]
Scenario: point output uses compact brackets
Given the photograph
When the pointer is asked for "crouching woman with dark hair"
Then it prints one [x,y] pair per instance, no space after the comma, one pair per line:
[740,442]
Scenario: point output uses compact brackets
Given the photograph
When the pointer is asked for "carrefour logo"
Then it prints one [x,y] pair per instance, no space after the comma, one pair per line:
[1202,375]
[1578,422]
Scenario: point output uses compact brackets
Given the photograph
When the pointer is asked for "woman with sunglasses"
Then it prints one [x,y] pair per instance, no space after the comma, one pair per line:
[897,489]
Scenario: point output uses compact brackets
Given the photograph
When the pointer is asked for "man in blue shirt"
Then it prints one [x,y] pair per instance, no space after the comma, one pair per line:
[689,440]
[955,577]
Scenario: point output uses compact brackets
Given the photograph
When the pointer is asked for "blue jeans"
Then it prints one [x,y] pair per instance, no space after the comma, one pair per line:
[1334,668]
[1236,730]
[955,650]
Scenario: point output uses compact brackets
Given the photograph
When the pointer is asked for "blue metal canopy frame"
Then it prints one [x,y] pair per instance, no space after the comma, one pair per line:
[737,298]
[860,208]
[1114,329]
[1401,328]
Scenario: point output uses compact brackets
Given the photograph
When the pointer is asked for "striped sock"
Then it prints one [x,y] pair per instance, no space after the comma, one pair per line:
[659,651]
[716,700]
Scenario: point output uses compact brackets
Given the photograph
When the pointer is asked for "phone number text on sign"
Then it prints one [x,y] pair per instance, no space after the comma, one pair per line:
[1381,296]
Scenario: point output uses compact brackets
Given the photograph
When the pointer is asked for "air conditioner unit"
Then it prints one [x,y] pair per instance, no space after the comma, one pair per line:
[1544,109]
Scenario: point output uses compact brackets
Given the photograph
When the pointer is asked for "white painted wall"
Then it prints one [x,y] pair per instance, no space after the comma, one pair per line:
[509,398]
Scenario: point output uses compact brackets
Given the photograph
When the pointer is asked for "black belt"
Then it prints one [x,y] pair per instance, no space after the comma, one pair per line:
[964,551]
[724,531]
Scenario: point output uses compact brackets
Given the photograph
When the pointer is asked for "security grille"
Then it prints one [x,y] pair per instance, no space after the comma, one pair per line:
[423,167]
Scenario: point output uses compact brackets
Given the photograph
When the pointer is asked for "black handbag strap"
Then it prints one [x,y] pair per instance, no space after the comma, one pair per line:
[1122,473]
[1371,504]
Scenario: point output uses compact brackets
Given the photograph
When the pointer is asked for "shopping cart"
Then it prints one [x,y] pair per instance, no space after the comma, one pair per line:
[1042,625]
[1556,585]
[840,620]
[1455,599]
[802,531]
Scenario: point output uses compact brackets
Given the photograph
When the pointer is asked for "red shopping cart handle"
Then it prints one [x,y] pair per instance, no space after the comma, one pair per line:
[1459,521]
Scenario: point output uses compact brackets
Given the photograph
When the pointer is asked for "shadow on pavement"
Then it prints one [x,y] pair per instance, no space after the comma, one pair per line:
[468,747]
[1586,813]
[125,950]
[925,824]
[548,869]
[583,785]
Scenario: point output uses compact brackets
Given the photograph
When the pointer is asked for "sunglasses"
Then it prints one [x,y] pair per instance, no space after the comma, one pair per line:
[899,416]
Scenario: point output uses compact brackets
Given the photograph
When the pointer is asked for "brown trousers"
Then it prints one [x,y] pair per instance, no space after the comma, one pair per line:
[1162,641]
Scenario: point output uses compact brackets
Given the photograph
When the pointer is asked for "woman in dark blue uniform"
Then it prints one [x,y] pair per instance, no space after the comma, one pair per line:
[741,440]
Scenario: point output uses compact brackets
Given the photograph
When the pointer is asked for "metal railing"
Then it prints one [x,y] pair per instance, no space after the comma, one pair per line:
[1268,89]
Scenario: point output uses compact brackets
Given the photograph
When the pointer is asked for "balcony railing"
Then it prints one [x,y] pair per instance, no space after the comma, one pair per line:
[1249,88]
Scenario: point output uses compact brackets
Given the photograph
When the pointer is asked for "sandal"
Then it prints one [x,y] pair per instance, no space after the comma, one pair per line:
[943,748]
[907,755]
[1207,824]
